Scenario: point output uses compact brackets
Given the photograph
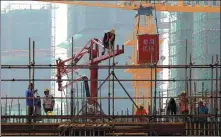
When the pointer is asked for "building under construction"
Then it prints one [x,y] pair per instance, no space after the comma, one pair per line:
[19,23]
[101,98]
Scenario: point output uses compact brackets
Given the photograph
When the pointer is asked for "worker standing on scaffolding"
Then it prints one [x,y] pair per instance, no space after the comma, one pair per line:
[202,110]
[30,100]
[141,111]
[48,102]
[172,108]
[184,104]
[108,40]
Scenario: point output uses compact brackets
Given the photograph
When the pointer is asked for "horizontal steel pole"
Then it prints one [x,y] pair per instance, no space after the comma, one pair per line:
[105,66]
[106,116]
[105,97]
[173,80]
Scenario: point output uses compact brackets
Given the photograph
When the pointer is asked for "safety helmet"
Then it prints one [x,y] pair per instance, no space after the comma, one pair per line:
[46,90]
[112,31]
[142,105]
[183,93]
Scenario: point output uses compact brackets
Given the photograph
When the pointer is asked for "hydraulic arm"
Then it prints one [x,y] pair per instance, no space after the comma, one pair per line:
[91,48]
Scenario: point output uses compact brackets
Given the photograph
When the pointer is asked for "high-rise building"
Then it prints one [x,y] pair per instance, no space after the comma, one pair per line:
[18,25]
[202,32]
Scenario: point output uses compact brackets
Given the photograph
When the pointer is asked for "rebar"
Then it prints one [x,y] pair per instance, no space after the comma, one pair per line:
[212,101]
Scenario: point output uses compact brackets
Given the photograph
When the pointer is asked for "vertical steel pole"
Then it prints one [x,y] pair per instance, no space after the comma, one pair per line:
[155,92]
[109,94]
[100,96]
[220,87]
[186,75]
[151,82]
[195,84]
[190,93]
[72,73]
[211,92]
[216,98]
[6,105]
[29,59]
[33,78]
[77,98]
[113,94]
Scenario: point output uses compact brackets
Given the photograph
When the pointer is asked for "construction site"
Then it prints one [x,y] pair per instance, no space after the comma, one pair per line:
[121,68]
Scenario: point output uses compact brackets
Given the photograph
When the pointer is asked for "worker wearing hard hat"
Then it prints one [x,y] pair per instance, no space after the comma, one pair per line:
[48,102]
[141,111]
[108,40]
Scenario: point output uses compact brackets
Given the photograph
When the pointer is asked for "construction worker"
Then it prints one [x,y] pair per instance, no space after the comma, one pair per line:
[172,108]
[48,102]
[30,100]
[108,40]
[141,111]
[184,105]
[202,110]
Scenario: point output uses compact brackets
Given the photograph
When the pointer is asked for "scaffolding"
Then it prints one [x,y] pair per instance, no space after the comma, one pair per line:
[79,124]
[124,118]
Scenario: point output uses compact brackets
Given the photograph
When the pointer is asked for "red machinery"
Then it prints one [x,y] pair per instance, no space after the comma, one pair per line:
[92,48]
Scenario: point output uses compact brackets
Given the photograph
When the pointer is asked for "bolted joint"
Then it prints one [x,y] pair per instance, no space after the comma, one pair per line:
[29,66]
[211,65]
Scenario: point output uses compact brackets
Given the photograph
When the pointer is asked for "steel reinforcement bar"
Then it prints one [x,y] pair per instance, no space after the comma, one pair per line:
[107,66]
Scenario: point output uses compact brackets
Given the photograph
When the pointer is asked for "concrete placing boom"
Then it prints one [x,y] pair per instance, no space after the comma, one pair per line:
[92,48]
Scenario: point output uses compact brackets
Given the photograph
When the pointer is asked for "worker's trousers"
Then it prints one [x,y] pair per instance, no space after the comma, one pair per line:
[30,111]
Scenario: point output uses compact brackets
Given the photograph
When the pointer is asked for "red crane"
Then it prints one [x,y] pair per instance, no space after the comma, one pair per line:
[92,48]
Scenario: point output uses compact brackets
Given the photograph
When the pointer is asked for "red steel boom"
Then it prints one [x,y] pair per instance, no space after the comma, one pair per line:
[92,48]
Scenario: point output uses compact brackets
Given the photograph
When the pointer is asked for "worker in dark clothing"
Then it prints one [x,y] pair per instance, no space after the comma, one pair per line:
[30,100]
[172,107]
[108,40]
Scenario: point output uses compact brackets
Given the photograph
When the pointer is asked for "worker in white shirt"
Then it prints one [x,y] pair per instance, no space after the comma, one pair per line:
[48,102]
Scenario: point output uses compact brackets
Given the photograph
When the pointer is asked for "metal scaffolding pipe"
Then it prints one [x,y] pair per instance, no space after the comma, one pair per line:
[50,66]
[7,98]
[107,116]
[172,80]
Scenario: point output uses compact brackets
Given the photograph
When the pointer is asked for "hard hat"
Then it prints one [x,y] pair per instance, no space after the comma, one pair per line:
[112,31]
[46,90]
[49,113]
[142,105]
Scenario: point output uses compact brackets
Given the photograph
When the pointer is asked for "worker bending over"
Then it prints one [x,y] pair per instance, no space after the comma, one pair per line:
[48,102]
[141,111]
[108,40]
